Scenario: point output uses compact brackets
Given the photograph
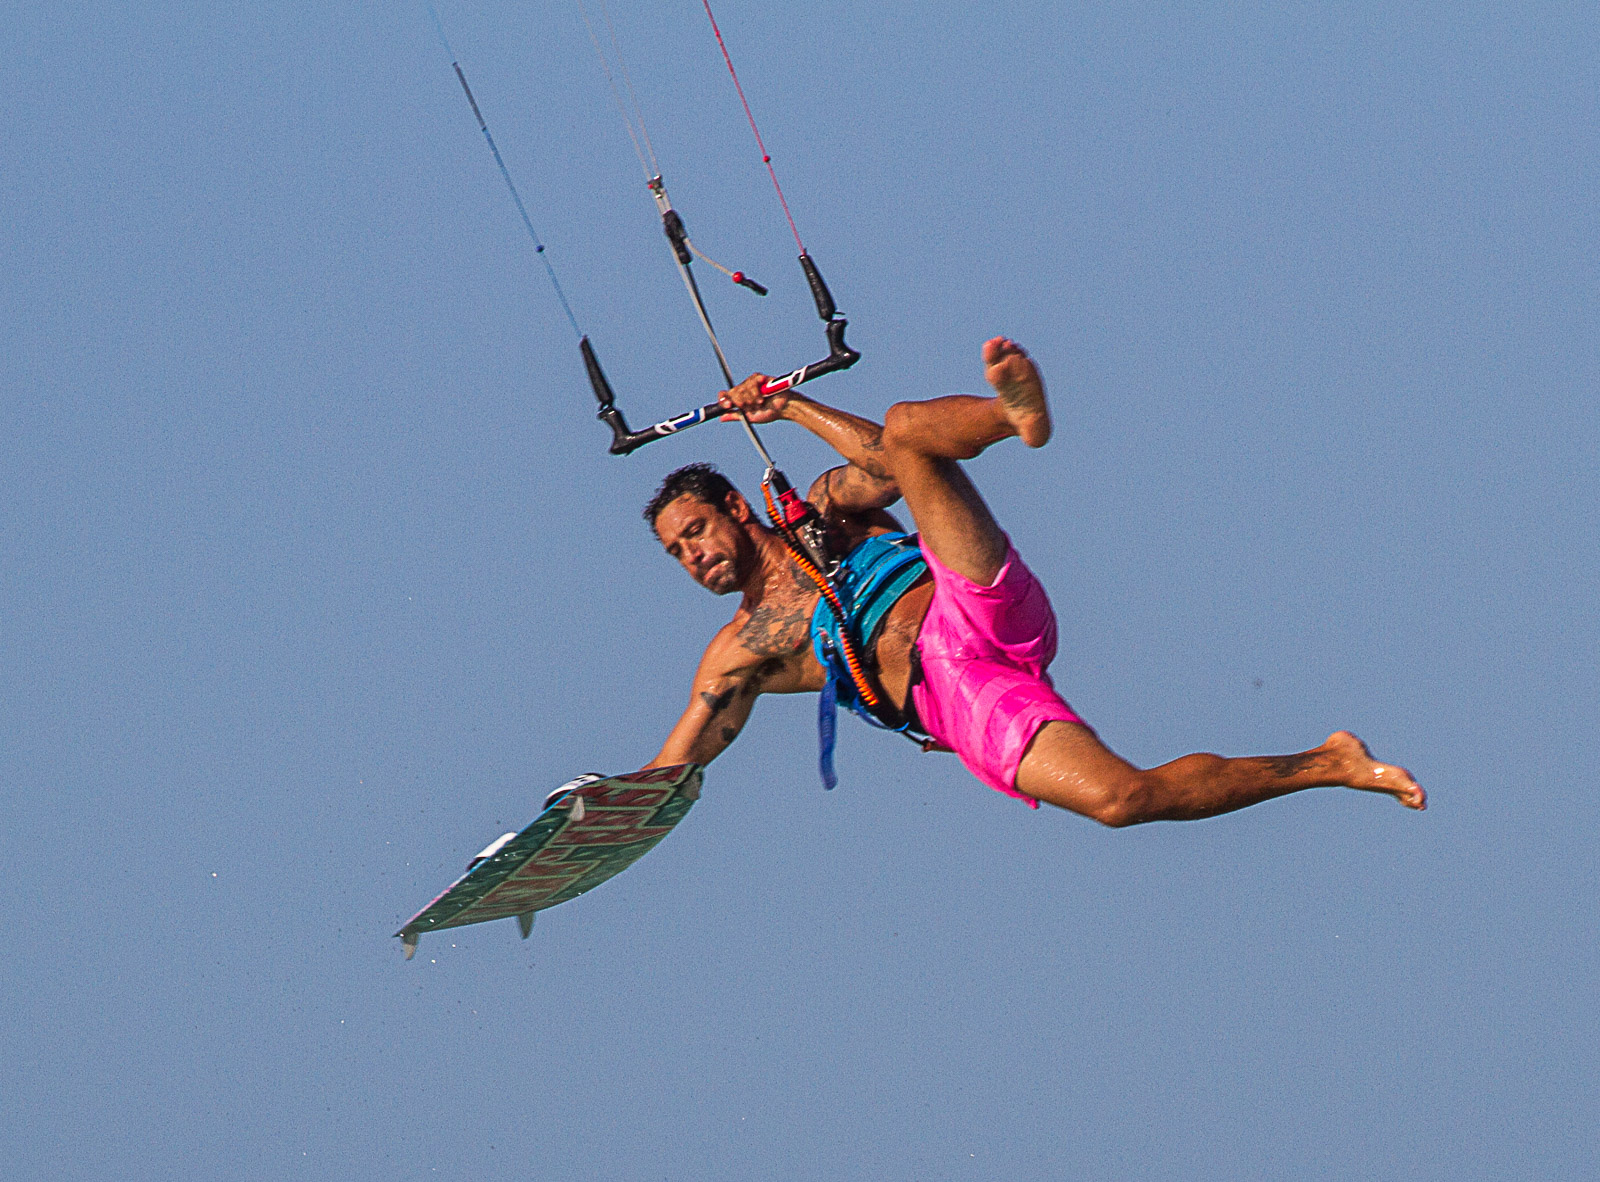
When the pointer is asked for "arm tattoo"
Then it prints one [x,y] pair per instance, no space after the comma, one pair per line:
[872,463]
[717,702]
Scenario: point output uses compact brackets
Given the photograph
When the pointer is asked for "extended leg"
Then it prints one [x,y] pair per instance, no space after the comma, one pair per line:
[1069,767]
[925,440]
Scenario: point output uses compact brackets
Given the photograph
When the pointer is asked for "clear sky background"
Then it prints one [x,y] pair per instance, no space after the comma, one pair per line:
[315,577]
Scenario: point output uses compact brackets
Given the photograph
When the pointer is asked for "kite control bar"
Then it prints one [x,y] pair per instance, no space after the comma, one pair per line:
[840,356]
[623,441]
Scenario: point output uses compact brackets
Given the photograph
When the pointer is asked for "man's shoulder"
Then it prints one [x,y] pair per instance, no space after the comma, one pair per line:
[725,640]
[855,525]
[772,650]
[748,638]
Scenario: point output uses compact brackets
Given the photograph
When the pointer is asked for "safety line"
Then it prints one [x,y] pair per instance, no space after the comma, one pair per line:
[522,209]
[766,157]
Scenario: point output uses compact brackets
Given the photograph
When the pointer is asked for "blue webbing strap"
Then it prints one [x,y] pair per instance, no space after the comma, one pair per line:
[887,577]
[827,729]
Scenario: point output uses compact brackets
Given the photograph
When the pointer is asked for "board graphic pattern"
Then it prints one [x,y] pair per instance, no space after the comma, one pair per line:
[557,858]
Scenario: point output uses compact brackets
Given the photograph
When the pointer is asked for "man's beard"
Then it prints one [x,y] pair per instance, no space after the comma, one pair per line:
[726,580]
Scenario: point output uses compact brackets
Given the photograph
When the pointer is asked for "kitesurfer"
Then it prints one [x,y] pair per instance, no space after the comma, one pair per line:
[954,628]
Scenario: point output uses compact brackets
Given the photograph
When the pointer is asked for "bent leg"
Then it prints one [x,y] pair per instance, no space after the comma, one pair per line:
[1069,767]
[925,440]
[949,513]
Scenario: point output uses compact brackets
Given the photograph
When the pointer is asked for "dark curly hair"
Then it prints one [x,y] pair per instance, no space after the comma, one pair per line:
[701,481]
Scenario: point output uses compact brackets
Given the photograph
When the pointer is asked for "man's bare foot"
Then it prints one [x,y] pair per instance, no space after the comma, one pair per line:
[1359,770]
[1016,380]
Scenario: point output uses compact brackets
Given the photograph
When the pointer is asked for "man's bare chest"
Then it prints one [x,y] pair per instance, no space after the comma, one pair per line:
[780,625]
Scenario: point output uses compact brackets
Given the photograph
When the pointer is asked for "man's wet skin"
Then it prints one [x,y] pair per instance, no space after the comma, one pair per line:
[1359,770]
[716,549]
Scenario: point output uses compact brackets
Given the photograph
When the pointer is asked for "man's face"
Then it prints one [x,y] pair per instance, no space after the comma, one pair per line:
[708,541]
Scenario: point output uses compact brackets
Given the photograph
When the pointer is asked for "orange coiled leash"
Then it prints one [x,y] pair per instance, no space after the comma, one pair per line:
[801,512]
[800,527]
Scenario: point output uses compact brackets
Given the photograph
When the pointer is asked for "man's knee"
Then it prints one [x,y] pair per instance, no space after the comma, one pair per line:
[1115,801]
[901,423]
[917,428]
[1128,800]
[1068,766]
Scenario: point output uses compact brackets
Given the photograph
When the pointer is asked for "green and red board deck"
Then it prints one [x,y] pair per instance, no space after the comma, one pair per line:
[583,837]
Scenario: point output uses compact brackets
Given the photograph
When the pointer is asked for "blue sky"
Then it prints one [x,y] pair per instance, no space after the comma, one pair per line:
[315,577]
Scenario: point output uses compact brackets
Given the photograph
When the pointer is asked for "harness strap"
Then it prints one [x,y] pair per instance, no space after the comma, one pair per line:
[870,703]
[827,730]
[871,579]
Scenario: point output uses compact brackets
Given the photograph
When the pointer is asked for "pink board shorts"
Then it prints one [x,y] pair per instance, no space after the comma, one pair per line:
[984,690]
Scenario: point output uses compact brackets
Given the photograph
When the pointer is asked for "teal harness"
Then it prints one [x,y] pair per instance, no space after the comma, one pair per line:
[871,579]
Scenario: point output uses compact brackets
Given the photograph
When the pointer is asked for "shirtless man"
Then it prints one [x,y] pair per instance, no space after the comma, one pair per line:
[981,624]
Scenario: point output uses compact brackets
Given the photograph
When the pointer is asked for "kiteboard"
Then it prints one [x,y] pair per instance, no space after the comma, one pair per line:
[591,829]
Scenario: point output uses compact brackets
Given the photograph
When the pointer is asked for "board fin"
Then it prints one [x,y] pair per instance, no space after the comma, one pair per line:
[572,786]
[409,940]
[491,849]
[525,923]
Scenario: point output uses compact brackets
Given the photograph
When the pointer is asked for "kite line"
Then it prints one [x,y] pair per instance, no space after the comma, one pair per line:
[538,245]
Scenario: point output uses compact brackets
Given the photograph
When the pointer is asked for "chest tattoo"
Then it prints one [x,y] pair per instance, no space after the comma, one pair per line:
[781,624]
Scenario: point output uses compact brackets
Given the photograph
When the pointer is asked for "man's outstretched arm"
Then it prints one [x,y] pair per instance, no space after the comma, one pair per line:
[726,685]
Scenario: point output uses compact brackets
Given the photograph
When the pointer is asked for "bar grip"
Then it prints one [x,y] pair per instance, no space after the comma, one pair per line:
[597,376]
[819,290]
